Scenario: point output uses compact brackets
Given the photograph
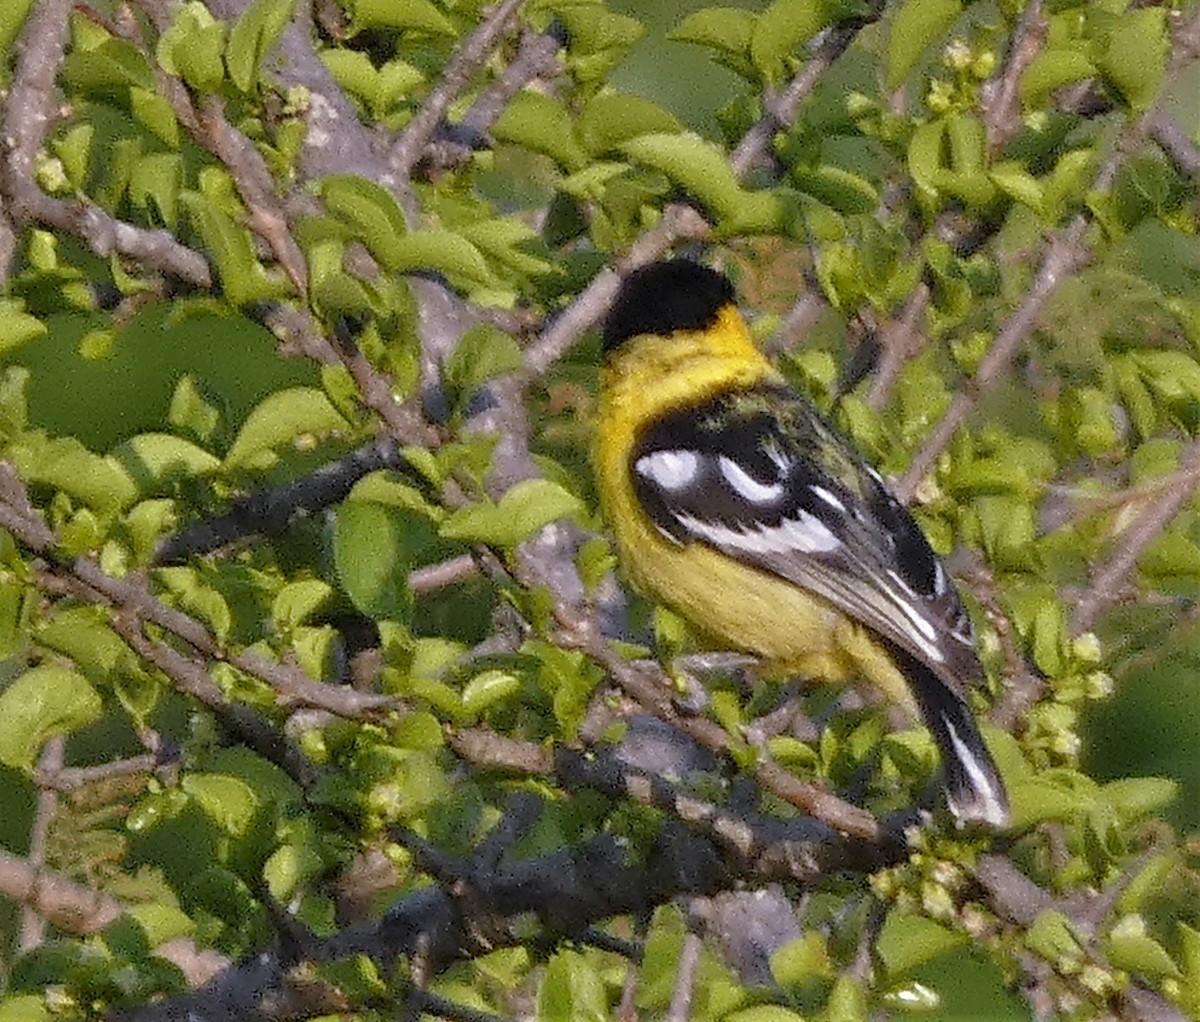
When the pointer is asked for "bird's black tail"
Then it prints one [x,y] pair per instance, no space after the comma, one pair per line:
[972,782]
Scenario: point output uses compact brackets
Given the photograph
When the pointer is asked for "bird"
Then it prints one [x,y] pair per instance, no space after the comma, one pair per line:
[734,503]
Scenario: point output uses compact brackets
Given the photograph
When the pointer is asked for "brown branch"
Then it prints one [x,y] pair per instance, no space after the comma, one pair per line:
[679,222]
[1176,143]
[1064,255]
[899,341]
[33,923]
[253,181]
[536,58]
[63,903]
[1107,580]
[1001,96]
[455,77]
[72,779]
[783,106]
[649,686]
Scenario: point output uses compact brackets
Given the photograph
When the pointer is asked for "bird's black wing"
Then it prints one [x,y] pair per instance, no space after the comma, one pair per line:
[758,475]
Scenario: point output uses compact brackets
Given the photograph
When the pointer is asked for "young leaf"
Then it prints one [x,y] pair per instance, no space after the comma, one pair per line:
[916,25]
[523,509]
[43,702]
[374,548]
[251,39]
[279,419]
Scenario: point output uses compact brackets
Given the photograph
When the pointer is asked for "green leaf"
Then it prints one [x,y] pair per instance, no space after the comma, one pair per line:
[840,189]
[289,868]
[925,156]
[191,48]
[445,252]
[571,990]
[1051,69]
[420,731]
[41,703]
[764,1013]
[1136,56]
[154,460]
[407,15]
[1048,798]
[802,961]
[524,508]
[612,118]
[782,27]
[197,596]
[541,124]
[486,690]
[12,17]
[597,39]
[242,276]
[725,29]
[108,69]
[252,37]
[916,25]
[908,942]
[74,148]
[1135,797]
[1130,947]
[374,548]
[228,801]
[298,601]
[30,1007]
[847,1001]
[161,922]
[280,419]
[1015,181]
[100,483]
[155,185]
[505,240]
[17,327]
[696,165]
[154,113]
[190,411]
[371,213]
[483,354]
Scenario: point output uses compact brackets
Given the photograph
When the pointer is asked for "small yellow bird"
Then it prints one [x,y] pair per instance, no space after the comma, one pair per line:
[734,503]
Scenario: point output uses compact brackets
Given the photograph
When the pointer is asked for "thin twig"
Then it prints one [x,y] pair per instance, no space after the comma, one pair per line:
[455,77]
[1106,582]
[1001,95]
[33,923]
[680,1008]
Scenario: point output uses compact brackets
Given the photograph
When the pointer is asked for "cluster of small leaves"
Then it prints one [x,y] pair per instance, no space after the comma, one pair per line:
[131,405]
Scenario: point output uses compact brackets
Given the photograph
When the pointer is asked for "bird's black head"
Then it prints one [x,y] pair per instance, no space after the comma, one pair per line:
[662,298]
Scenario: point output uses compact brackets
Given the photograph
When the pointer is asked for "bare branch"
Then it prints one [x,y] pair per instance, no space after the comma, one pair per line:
[1175,142]
[1001,99]
[1107,580]
[783,107]
[65,904]
[33,924]
[456,76]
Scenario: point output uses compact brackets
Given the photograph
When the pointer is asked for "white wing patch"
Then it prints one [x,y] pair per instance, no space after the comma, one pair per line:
[746,486]
[672,470]
[823,494]
[995,811]
[806,534]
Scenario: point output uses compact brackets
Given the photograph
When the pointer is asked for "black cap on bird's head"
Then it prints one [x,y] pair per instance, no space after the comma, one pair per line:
[662,298]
